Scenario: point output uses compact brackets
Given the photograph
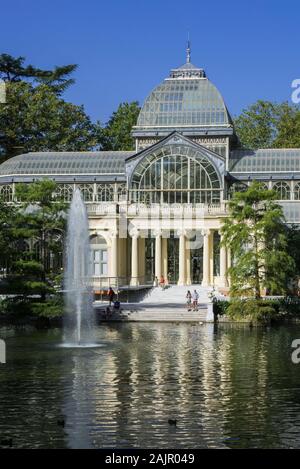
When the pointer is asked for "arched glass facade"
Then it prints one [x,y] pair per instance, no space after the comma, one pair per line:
[64,192]
[179,175]
[283,190]
[297,191]
[6,193]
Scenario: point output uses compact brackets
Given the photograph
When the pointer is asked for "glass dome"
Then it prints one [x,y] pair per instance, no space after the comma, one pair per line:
[186,98]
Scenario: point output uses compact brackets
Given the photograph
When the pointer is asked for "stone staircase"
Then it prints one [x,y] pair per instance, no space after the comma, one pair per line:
[175,294]
[168,304]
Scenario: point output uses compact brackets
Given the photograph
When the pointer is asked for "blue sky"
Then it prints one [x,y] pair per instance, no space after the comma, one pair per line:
[124,48]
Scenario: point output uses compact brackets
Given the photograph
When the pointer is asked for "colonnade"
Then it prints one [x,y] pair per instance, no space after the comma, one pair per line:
[184,261]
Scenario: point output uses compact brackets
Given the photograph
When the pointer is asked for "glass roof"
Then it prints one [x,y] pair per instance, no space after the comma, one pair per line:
[102,162]
[187,98]
[269,160]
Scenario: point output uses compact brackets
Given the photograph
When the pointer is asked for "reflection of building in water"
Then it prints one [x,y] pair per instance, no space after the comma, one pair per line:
[147,204]
[218,383]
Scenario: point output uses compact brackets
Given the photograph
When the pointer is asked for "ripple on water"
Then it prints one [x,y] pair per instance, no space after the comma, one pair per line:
[228,387]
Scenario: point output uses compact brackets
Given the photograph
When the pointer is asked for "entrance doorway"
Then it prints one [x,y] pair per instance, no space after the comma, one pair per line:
[173,259]
[149,259]
[196,265]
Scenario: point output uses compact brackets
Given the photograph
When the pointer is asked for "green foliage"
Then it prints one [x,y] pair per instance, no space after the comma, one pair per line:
[265,124]
[256,234]
[220,307]
[293,241]
[288,129]
[252,310]
[41,218]
[12,69]
[36,119]
[16,306]
[117,133]
[22,307]
[7,217]
[53,308]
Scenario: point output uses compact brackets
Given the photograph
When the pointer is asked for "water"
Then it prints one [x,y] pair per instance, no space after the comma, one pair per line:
[79,321]
[229,387]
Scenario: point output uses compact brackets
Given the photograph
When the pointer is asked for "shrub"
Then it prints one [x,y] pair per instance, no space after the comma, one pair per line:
[220,307]
[53,308]
[252,310]
[23,307]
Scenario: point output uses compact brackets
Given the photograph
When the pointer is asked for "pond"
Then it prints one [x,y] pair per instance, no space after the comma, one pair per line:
[228,386]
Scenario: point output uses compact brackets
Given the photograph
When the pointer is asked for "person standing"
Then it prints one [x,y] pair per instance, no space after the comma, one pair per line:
[188,300]
[111,295]
[195,297]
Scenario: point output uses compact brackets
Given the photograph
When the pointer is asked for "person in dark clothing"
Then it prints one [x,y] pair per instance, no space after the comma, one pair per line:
[111,295]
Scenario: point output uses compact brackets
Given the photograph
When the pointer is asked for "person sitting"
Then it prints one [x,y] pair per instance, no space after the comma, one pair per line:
[117,306]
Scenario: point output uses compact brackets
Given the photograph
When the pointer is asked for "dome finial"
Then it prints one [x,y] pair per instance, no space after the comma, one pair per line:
[188,50]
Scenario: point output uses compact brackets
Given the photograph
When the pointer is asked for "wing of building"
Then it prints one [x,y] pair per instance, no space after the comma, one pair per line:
[157,211]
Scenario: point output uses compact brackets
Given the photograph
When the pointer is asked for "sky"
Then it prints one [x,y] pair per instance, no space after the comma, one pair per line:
[124,48]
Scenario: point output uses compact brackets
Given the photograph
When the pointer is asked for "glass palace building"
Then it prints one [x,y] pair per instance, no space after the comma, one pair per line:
[157,211]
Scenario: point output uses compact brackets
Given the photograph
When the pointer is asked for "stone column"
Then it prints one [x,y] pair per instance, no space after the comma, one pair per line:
[188,263]
[134,259]
[211,257]
[228,264]
[158,254]
[206,263]
[114,259]
[141,251]
[223,264]
[182,266]
[165,258]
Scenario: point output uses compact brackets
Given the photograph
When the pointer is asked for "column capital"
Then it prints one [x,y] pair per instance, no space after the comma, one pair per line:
[157,233]
[206,232]
[134,233]
[181,232]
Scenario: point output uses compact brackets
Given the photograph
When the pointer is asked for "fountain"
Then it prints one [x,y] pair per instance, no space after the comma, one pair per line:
[79,313]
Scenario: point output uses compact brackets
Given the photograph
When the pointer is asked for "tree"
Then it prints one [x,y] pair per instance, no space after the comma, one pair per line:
[7,217]
[116,135]
[39,219]
[36,119]
[12,69]
[288,130]
[256,235]
[265,124]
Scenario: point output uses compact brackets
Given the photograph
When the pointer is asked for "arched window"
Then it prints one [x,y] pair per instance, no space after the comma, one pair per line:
[121,192]
[87,192]
[264,185]
[283,190]
[64,192]
[297,191]
[105,192]
[176,174]
[6,193]
[99,256]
